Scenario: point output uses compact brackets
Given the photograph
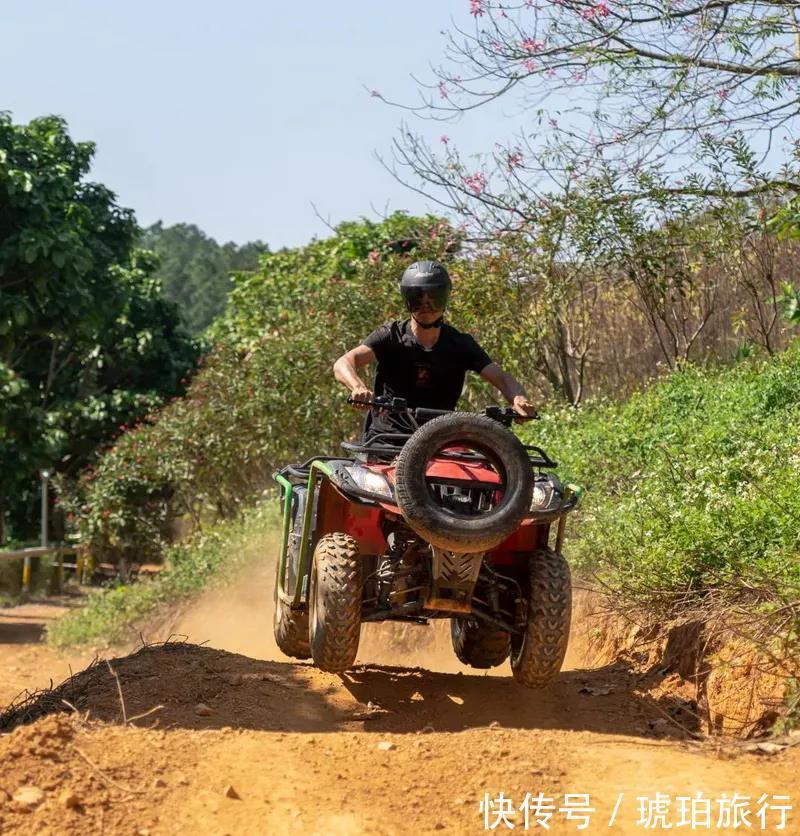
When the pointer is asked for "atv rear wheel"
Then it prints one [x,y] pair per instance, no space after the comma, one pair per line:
[477,645]
[290,627]
[291,630]
[537,655]
[335,603]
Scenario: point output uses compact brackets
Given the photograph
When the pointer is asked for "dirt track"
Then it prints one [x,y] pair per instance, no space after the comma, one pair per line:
[387,748]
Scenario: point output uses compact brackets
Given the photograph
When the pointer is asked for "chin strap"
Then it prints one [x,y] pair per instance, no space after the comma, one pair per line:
[437,324]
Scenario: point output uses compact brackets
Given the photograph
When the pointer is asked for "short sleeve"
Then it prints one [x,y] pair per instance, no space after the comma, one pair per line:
[476,359]
[379,341]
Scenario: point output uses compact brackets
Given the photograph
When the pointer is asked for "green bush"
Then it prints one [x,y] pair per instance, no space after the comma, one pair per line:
[213,555]
[692,485]
[266,394]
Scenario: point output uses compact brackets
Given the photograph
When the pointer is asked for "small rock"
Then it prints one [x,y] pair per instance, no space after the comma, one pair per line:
[596,690]
[159,783]
[143,831]
[236,679]
[203,710]
[769,748]
[428,729]
[385,746]
[69,799]
[230,792]
[182,781]
[28,798]
[438,826]
[494,725]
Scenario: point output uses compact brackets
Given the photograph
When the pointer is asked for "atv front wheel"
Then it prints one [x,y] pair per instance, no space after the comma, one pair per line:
[477,645]
[537,655]
[335,603]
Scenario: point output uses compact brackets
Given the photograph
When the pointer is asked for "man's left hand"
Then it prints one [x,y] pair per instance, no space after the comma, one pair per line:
[522,406]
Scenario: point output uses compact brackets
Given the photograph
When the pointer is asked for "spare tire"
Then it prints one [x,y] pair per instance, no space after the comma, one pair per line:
[449,529]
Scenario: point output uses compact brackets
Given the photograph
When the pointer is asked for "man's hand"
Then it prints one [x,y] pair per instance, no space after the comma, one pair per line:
[361,397]
[522,406]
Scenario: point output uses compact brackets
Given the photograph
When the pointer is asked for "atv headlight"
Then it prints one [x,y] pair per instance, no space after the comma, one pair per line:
[368,480]
[541,496]
[546,493]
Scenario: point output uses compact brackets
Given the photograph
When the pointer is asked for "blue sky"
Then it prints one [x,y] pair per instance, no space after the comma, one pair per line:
[235,116]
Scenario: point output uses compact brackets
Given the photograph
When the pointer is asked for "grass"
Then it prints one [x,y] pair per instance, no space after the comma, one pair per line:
[692,485]
[209,557]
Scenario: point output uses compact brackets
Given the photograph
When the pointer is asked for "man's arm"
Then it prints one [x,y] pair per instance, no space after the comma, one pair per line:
[510,388]
[345,370]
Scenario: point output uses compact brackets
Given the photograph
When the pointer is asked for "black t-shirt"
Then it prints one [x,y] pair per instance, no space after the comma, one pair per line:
[431,378]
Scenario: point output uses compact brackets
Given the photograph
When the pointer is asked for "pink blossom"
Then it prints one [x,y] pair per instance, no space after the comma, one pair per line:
[496,46]
[375,94]
[530,65]
[477,8]
[444,138]
[723,95]
[476,182]
[551,73]
[553,123]
[514,160]
[443,94]
[374,257]
[600,9]
[531,45]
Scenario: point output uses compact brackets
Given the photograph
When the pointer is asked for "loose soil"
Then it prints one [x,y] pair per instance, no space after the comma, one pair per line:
[228,737]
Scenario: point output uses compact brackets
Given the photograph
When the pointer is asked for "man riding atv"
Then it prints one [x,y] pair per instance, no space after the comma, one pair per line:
[433,514]
[422,359]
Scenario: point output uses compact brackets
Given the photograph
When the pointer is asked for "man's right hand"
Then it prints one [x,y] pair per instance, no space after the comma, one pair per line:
[361,398]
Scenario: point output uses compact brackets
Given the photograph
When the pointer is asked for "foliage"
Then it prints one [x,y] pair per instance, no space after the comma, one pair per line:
[686,94]
[692,485]
[86,341]
[206,558]
[548,311]
[266,394]
[195,271]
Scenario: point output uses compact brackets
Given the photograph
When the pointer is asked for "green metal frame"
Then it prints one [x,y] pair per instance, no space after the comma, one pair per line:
[317,469]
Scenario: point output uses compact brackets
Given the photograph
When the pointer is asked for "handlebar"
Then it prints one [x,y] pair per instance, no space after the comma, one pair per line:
[503,415]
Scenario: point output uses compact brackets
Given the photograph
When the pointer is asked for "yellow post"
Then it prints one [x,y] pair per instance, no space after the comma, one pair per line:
[26,576]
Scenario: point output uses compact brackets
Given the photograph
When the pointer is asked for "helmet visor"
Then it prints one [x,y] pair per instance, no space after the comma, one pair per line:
[419,298]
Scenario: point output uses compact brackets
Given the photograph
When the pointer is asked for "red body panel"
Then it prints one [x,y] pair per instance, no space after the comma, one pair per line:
[364,523]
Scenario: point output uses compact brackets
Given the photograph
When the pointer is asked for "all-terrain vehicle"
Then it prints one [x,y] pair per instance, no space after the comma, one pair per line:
[452,516]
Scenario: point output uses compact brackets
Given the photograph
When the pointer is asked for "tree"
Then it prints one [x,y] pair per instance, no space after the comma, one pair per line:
[86,344]
[702,92]
[195,270]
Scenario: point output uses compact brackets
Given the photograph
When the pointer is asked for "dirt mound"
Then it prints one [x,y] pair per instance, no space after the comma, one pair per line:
[239,745]
[176,684]
[726,682]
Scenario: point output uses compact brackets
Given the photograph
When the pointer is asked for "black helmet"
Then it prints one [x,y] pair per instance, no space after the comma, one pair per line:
[425,277]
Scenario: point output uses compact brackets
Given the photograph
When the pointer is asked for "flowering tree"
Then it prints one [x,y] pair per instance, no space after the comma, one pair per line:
[702,92]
